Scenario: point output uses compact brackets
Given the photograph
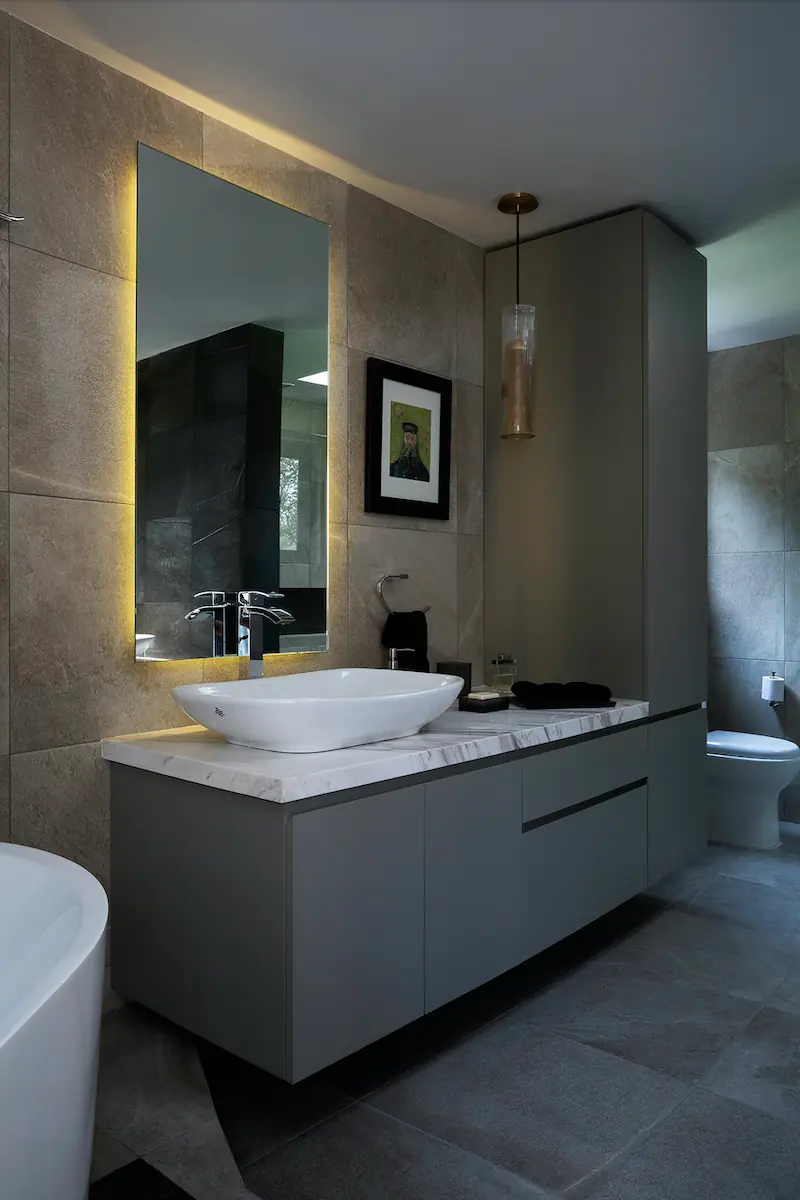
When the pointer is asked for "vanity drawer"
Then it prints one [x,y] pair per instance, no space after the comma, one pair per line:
[579,867]
[559,778]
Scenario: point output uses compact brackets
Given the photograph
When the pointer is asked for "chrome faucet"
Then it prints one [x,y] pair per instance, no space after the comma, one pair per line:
[251,642]
[218,603]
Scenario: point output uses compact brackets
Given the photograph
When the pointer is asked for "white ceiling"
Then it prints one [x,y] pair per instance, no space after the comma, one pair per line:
[687,106]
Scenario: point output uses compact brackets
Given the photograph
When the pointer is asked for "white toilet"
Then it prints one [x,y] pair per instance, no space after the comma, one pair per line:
[746,774]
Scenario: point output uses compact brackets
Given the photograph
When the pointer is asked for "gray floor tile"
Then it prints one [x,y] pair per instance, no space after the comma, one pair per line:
[152,1089]
[711,1149]
[684,883]
[787,996]
[542,1107]
[762,1067]
[258,1112]
[137,1181]
[706,951]
[108,1155]
[202,1164]
[773,868]
[774,912]
[366,1155]
[642,1015]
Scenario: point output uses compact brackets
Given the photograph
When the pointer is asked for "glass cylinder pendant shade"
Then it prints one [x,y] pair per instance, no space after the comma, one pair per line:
[519,343]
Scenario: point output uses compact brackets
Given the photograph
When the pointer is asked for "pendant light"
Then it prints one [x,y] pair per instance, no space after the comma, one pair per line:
[519,342]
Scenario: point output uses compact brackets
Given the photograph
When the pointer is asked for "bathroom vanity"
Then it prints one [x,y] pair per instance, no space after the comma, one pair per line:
[294,908]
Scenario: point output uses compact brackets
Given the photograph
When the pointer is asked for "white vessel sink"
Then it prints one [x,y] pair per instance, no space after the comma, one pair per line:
[323,710]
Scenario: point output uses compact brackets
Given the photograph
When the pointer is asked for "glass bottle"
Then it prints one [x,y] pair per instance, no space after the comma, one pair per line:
[504,673]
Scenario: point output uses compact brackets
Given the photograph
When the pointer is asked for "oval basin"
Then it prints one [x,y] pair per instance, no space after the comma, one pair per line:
[323,710]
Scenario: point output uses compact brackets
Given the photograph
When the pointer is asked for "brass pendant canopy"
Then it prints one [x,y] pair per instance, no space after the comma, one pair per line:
[517,202]
[518,341]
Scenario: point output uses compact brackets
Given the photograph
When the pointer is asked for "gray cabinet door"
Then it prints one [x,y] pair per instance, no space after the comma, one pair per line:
[676,608]
[579,867]
[678,803]
[473,835]
[357,925]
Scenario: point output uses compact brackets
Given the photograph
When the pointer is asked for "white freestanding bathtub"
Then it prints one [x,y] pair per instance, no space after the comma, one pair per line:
[53,917]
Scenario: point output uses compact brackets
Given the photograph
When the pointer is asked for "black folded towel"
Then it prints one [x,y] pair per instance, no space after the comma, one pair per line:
[408,631]
[562,695]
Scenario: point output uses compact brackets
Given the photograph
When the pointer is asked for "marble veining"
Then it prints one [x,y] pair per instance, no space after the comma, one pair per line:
[199,756]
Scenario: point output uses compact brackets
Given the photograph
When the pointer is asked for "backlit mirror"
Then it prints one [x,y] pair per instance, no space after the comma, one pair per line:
[231,419]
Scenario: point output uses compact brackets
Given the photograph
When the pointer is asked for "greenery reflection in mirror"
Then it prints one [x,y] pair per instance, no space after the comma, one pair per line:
[231,419]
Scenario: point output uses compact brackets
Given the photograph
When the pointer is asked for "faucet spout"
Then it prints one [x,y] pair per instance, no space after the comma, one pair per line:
[202,611]
[278,616]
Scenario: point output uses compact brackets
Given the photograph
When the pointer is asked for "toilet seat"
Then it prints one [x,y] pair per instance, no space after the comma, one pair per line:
[725,744]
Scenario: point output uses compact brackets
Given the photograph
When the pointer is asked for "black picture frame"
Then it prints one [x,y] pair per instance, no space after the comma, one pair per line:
[379,373]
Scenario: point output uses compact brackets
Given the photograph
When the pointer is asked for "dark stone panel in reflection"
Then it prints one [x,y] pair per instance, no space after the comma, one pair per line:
[309,607]
[208,469]
[217,551]
[264,405]
[217,465]
[167,563]
[174,637]
[167,471]
[165,392]
[222,375]
[260,549]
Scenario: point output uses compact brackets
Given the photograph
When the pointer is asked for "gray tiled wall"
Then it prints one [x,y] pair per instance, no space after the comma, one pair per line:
[400,288]
[754,538]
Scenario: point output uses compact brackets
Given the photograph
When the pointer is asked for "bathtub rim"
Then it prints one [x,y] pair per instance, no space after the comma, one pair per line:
[93,900]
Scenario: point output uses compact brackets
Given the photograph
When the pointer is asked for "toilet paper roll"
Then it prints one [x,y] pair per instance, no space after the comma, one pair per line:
[772,687]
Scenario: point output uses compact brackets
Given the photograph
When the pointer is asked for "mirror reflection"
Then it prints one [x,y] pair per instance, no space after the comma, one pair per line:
[231,419]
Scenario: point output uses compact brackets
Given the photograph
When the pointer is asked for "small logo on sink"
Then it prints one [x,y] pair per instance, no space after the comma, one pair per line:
[219,712]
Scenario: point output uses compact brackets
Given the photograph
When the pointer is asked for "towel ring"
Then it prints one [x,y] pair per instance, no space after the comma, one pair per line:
[384,579]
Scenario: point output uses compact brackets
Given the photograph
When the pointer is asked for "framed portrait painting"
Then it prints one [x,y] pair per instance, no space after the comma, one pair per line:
[407,462]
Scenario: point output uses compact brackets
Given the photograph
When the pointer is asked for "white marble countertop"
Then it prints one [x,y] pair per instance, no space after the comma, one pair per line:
[199,756]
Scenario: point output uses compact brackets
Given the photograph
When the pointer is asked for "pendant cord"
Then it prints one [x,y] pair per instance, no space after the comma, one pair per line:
[517,255]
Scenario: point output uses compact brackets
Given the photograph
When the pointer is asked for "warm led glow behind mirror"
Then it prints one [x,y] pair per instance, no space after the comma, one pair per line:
[231,419]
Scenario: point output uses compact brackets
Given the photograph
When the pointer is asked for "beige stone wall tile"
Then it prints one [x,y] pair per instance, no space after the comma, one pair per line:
[401,286]
[5,23]
[5,828]
[471,646]
[72,380]
[4,634]
[470,262]
[60,803]
[76,123]
[73,675]
[4,363]
[430,559]
[469,441]
[338,434]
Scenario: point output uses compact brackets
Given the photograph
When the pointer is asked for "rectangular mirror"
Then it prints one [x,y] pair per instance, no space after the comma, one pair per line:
[231,419]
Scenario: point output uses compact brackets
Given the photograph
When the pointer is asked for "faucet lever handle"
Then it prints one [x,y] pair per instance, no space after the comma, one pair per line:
[259,598]
[215,599]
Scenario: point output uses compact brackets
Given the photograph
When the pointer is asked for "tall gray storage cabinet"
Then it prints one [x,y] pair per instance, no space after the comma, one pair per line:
[596,529]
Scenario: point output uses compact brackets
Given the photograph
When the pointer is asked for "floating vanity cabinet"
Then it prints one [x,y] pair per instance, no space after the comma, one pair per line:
[294,932]
[357,925]
[473,897]
[678,821]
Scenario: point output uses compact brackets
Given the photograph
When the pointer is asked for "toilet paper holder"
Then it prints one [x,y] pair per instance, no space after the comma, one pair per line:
[772,689]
